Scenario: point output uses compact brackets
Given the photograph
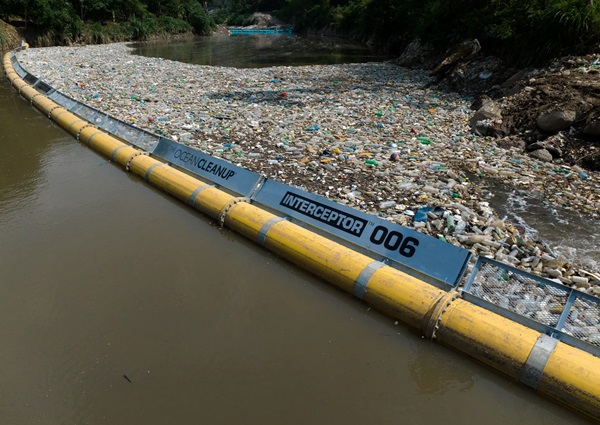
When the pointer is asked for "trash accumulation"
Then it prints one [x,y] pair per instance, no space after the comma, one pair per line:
[369,136]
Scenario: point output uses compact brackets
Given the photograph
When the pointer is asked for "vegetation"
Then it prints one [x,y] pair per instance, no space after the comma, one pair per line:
[100,21]
[523,30]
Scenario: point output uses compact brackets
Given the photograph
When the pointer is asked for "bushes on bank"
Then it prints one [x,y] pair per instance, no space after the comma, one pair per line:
[525,31]
[521,30]
[101,21]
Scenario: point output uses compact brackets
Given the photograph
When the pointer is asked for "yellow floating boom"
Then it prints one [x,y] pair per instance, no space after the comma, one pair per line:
[564,373]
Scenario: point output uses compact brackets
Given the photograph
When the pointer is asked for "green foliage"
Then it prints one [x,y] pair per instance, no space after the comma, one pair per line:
[520,30]
[141,29]
[199,19]
[304,14]
[57,18]
[526,31]
[171,25]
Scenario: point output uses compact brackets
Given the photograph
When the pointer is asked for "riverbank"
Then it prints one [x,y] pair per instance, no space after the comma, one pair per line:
[9,37]
[366,135]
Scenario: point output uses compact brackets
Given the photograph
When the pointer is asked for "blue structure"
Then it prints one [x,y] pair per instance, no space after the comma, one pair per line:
[244,31]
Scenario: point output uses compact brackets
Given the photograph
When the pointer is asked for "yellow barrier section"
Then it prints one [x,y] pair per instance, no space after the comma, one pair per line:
[568,375]
[571,377]
[498,338]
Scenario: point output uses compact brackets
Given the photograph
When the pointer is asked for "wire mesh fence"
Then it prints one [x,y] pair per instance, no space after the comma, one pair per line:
[557,310]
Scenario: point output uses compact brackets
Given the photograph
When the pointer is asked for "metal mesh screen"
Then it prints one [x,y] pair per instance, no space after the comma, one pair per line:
[527,298]
[147,141]
[520,294]
[583,320]
[124,131]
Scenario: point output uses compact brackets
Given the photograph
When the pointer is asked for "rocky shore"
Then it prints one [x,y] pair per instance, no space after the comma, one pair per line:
[370,136]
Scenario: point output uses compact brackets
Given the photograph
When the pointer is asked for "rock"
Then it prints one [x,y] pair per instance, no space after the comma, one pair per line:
[516,77]
[554,151]
[487,120]
[556,121]
[489,110]
[592,128]
[264,20]
[535,146]
[542,155]
[480,101]
[455,54]
[418,54]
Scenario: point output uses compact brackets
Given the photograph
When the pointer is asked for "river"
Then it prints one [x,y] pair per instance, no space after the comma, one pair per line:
[120,305]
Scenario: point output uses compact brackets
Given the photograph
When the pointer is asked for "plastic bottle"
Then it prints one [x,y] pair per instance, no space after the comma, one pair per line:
[450,223]
[460,227]
[387,204]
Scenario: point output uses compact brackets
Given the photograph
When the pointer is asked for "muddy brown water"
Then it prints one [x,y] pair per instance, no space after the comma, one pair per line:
[120,305]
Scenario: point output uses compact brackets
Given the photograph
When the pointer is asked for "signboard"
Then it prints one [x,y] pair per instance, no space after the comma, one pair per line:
[426,254]
[216,170]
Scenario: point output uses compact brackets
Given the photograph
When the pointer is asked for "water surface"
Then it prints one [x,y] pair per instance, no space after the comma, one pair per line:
[260,50]
[120,305]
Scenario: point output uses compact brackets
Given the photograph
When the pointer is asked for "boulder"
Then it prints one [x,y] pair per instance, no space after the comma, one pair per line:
[555,151]
[556,121]
[487,121]
[479,102]
[418,54]
[542,155]
[489,111]
[535,146]
[454,55]
[592,128]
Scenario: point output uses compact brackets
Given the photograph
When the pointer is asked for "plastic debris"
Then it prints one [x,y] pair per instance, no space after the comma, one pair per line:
[360,134]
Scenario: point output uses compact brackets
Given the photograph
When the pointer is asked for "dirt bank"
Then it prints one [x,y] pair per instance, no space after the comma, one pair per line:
[9,37]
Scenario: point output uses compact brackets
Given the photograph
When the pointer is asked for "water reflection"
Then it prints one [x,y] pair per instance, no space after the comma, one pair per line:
[439,375]
[260,50]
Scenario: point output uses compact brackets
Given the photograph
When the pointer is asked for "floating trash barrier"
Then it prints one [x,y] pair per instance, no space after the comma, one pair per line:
[534,330]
